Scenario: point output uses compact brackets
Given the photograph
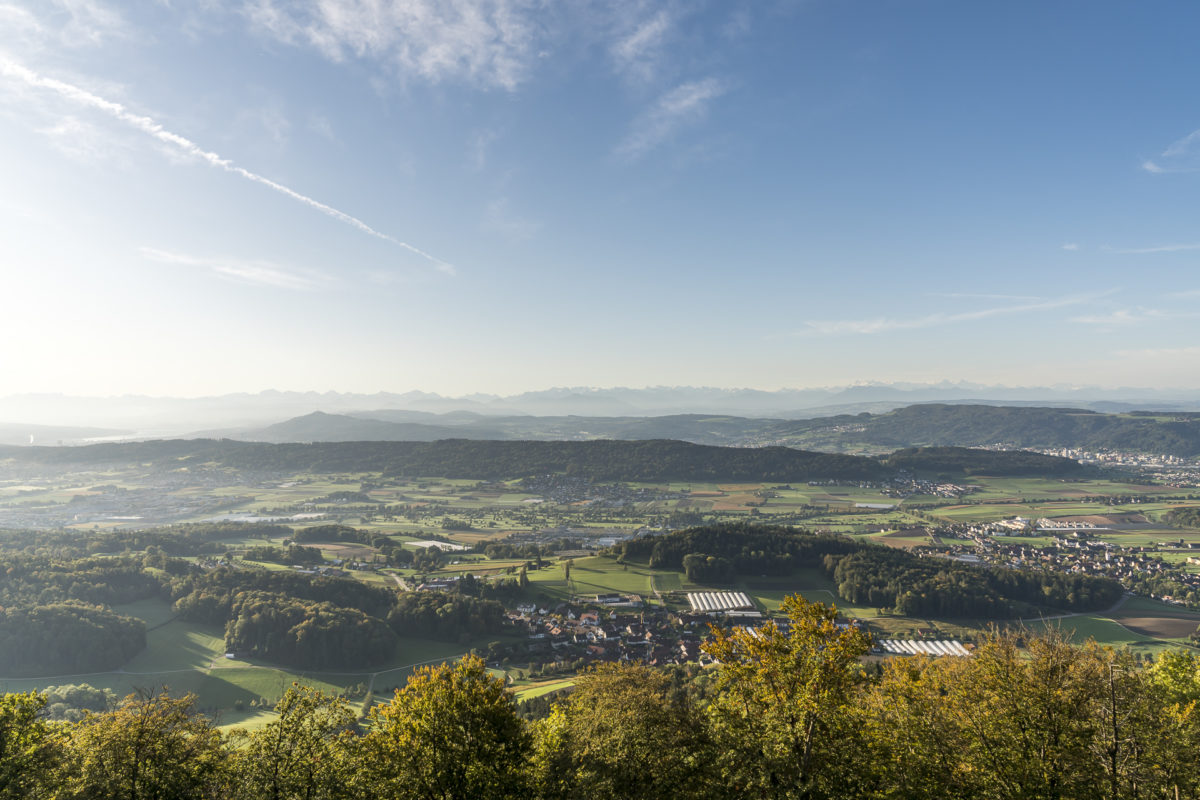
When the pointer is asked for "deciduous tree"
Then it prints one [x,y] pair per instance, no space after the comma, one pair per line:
[29,747]
[780,712]
[622,734]
[452,733]
[304,754]
[151,747]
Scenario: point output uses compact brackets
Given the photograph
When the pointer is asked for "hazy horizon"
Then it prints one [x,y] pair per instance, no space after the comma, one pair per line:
[964,386]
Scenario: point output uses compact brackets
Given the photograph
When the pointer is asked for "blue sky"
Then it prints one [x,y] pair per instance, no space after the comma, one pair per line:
[496,195]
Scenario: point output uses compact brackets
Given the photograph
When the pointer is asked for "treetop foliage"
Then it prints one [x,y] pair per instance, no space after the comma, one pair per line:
[451,732]
[786,712]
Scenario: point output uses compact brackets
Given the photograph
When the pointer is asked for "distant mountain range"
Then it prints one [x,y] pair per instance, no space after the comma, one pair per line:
[933,424]
[143,416]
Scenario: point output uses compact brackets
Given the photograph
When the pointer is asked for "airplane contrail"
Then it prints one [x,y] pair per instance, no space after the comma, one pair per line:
[149,126]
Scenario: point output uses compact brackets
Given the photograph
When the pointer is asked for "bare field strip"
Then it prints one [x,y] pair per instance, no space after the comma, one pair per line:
[1160,627]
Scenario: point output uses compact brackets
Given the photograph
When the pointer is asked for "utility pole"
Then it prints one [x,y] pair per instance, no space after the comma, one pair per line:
[1115,745]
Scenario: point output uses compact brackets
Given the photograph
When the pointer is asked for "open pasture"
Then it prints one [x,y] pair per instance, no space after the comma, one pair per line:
[1103,631]
[994,488]
[735,502]
[1154,618]
[480,567]
[905,539]
[592,575]
[532,690]
[344,551]
[153,612]
[1160,627]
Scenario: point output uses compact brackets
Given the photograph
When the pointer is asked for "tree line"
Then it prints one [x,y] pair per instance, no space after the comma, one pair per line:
[784,714]
[186,539]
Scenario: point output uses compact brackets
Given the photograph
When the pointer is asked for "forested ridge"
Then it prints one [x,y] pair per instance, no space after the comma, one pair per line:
[461,458]
[784,713]
[600,460]
[970,425]
[971,461]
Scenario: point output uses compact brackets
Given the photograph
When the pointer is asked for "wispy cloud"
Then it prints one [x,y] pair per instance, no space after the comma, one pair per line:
[257,273]
[1161,353]
[685,104]
[60,24]
[81,141]
[1163,248]
[19,21]
[190,149]
[1071,246]
[1180,156]
[478,146]
[886,324]
[985,296]
[91,22]
[1122,317]
[637,52]
[491,43]
[1182,146]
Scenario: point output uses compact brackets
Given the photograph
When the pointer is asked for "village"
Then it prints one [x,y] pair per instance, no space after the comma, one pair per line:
[1076,549]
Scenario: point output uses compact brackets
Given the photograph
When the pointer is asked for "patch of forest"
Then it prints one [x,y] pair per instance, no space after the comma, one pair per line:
[56,614]
[317,622]
[869,574]
[1185,517]
[66,638]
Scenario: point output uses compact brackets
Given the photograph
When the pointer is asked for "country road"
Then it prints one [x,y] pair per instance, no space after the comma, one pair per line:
[1116,607]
